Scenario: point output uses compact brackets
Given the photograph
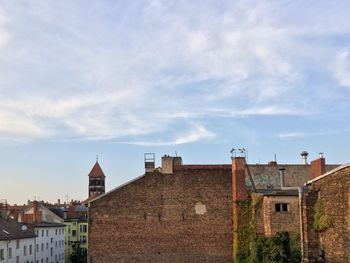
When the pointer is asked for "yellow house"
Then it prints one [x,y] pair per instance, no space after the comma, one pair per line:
[76,230]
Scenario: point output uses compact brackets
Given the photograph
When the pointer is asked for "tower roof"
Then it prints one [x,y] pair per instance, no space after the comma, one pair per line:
[96,171]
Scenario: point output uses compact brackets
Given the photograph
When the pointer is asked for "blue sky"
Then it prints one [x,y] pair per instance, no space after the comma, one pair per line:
[121,78]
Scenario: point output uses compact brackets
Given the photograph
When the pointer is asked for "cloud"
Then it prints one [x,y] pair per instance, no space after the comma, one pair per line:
[195,134]
[342,68]
[132,71]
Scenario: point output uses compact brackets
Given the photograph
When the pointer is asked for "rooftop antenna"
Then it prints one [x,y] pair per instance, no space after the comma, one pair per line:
[175,153]
[97,158]
[275,158]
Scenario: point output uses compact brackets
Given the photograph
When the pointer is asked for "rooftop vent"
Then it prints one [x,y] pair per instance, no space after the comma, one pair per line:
[304,155]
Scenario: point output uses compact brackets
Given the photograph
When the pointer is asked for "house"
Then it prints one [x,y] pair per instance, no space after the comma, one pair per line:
[16,240]
[194,213]
[76,229]
[49,230]
[326,216]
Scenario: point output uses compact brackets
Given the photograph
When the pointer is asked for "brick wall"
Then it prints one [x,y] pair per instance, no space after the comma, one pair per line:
[281,221]
[180,217]
[333,191]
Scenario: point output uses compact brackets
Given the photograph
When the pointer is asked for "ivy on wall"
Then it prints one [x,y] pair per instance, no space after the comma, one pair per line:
[250,248]
[321,220]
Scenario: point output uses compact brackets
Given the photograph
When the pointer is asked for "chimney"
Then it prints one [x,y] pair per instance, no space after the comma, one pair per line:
[239,190]
[318,166]
[304,155]
[149,162]
[167,164]
[36,213]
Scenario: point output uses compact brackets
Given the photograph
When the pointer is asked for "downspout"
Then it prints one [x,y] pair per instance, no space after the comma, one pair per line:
[300,195]
[7,250]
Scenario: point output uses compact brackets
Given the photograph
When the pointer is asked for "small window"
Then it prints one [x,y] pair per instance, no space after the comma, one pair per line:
[10,252]
[47,232]
[25,250]
[2,254]
[17,244]
[281,207]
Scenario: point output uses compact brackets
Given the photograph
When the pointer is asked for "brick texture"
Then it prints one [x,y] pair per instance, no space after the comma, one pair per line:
[334,193]
[180,217]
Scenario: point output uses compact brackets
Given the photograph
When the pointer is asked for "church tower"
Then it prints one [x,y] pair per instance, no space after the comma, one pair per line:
[96,180]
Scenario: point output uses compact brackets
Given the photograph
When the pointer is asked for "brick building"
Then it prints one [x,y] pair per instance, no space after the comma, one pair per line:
[326,215]
[186,213]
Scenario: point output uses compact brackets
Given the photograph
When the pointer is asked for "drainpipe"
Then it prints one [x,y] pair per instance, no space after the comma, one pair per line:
[300,195]
[7,250]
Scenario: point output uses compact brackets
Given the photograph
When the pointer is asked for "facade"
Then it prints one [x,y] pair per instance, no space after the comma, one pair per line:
[326,216]
[50,232]
[76,230]
[193,213]
[17,241]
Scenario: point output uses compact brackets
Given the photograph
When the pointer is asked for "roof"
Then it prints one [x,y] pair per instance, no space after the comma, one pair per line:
[328,173]
[48,225]
[10,229]
[77,212]
[96,171]
[116,188]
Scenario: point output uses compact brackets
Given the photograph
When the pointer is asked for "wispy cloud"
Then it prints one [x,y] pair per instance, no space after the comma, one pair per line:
[124,71]
[342,68]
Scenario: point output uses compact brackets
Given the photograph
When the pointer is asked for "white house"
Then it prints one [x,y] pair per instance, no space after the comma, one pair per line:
[16,241]
[49,244]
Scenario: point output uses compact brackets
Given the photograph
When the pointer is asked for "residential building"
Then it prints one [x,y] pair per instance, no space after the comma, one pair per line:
[50,232]
[76,230]
[194,213]
[326,215]
[17,241]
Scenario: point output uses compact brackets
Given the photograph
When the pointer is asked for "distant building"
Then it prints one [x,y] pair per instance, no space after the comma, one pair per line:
[17,240]
[49,230]
[76,230]
[193,213]
[326,215]
[96,181]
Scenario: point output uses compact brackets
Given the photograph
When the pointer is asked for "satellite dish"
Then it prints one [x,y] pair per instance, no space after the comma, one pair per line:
[24,228]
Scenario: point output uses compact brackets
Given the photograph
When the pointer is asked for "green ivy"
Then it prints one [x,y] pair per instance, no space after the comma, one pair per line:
[250,248]
[321,221]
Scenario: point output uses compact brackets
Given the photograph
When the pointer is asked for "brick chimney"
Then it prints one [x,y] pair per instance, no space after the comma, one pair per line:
[239,190]
[318,167]
[36,213]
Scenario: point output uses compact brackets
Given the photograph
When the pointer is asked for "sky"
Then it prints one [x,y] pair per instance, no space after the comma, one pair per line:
[119,79]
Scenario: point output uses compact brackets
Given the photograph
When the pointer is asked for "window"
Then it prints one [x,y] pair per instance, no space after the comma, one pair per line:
[83,239]
[42,247]
[56,232]
[83,228]
[51,240]
[47,246]
[47,232]
[51,251]
[25,250]
[17,244]
[30,249]
[74,233]
[281,207]
[42,232]
[2,254]
[17,259]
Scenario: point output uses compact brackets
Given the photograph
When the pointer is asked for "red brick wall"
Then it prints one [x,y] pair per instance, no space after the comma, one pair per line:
[154,219]
[334,193]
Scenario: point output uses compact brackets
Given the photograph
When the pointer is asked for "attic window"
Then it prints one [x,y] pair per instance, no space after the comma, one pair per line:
[281,207]
[7,233]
